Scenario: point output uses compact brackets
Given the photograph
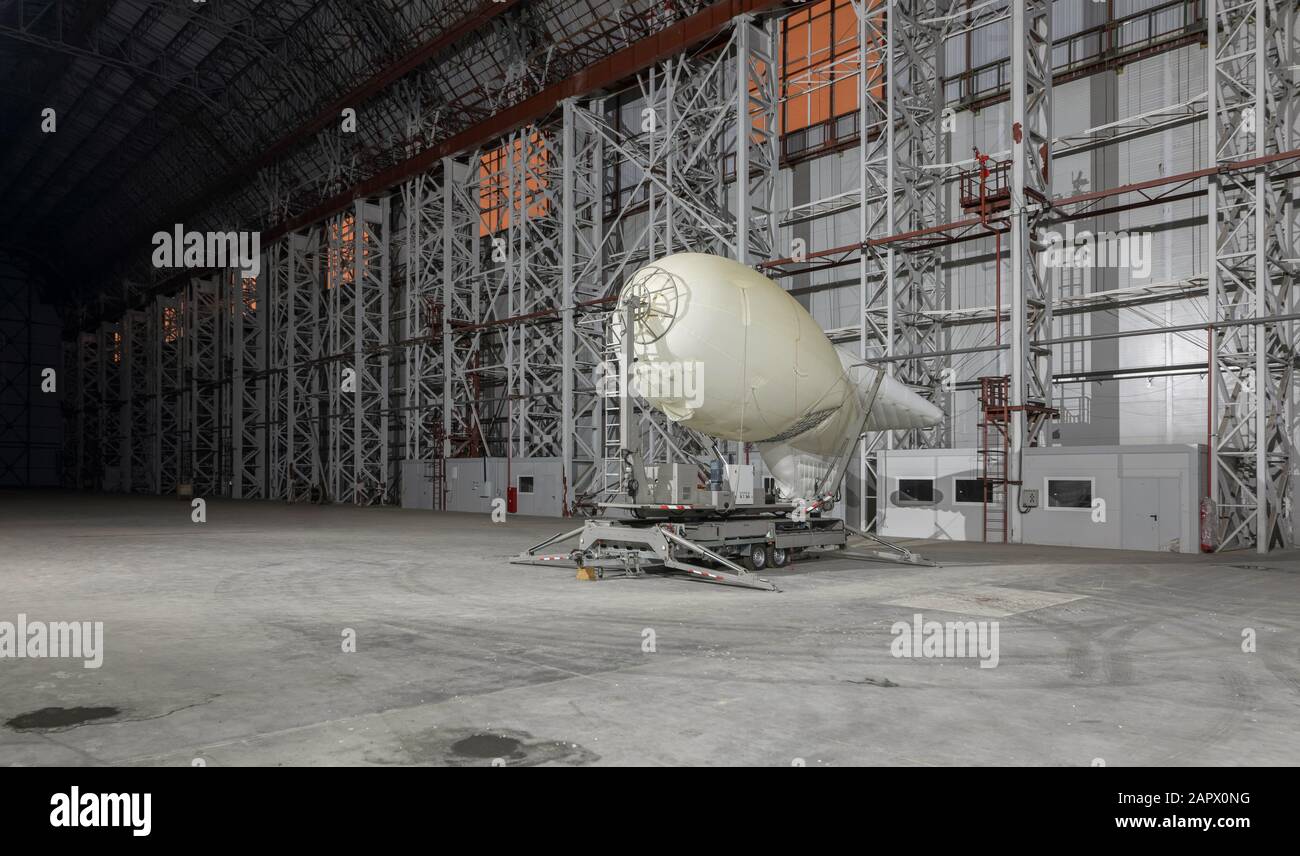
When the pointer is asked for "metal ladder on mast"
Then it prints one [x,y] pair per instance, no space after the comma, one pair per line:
[994,449]
[611,430]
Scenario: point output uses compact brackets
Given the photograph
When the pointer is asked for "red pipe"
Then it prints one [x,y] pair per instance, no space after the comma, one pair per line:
[1180,178]
[997,259]
[1209,407]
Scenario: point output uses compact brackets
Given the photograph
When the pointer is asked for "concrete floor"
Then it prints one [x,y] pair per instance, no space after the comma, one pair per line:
[223,643]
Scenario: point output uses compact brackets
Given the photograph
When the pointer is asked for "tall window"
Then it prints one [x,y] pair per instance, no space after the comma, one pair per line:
[342,250]
[819,74]
[508,182]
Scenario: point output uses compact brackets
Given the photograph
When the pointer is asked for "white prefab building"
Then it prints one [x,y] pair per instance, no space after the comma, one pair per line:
[472,484]
[1129,497]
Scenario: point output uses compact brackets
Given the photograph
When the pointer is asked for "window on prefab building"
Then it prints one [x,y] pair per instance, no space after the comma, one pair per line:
[976,491]
[916,490]
[1069,493]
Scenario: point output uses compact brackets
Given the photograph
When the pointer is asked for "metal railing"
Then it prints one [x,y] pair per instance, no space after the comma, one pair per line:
[1122,39]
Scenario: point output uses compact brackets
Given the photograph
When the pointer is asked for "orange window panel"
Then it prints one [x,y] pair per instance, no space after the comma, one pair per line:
[496,199]
[819,63]
[341,254]
[171,329]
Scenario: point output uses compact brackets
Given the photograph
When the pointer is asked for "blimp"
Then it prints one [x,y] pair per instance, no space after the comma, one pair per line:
[764,371]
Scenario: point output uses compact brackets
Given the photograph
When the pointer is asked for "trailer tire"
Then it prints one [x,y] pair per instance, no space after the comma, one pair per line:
[755,557]
[778,557]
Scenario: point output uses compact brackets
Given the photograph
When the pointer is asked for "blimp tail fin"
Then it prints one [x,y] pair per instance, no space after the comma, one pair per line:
[897,407]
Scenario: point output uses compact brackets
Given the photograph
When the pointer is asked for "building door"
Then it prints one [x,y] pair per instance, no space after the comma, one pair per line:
[1152,514]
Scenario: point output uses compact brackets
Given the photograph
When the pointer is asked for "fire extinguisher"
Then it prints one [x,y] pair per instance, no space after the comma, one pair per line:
[1209,525]
[512,500]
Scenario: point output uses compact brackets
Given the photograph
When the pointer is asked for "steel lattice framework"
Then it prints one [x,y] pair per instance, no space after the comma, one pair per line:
[1252,114]
[1031,284]
[300,384]
[533,287]
[111,386]
[74,429]
[875,216]
[88,472]
[905,189]
[247,396]
[204,331]
[232,112]
[900,102]
[138,408]
[167,373]
[420,393]
[697,166]
[294,372]
[583,253]
[357,291]
[437,284]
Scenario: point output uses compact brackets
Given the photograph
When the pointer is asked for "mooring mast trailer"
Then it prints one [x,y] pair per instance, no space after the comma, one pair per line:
[679,536]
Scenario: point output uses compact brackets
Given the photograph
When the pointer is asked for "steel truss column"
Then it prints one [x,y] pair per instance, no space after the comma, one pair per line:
[294,337]
[692,160]
[138,421]
[205,332]
[900,103]
[756,138]
[504,284]
[357,282]
[421,328]
[90,461]
[1031,299]
[73,427]
[534,286]
[248,448]
[1252,113]
[583,327]
[915,83]
[167,361]
[465,292]
[113,420]
[275,352]
[876,169]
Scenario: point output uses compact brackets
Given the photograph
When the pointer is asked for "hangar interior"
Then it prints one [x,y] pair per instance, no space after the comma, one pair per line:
[469,295]
[1069,225]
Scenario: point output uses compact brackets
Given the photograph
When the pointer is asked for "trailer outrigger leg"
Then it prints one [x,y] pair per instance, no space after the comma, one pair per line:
[636,549]
[897,552]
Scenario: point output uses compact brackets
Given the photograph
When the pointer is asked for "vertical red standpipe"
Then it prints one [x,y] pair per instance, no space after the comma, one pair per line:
[984,172]
[1208,514]
[997,300]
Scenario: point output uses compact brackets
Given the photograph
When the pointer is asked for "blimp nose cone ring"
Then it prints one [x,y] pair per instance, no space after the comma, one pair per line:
[655,294]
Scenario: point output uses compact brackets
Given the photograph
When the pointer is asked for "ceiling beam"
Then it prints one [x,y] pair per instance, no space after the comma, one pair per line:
[619,66]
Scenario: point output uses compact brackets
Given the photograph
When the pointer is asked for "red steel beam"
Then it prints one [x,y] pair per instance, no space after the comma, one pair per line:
[1136,187]
[616,67]
[403,66]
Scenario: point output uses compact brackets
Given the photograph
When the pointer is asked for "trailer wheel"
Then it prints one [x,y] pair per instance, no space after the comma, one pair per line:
[755,556]
[778,557]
